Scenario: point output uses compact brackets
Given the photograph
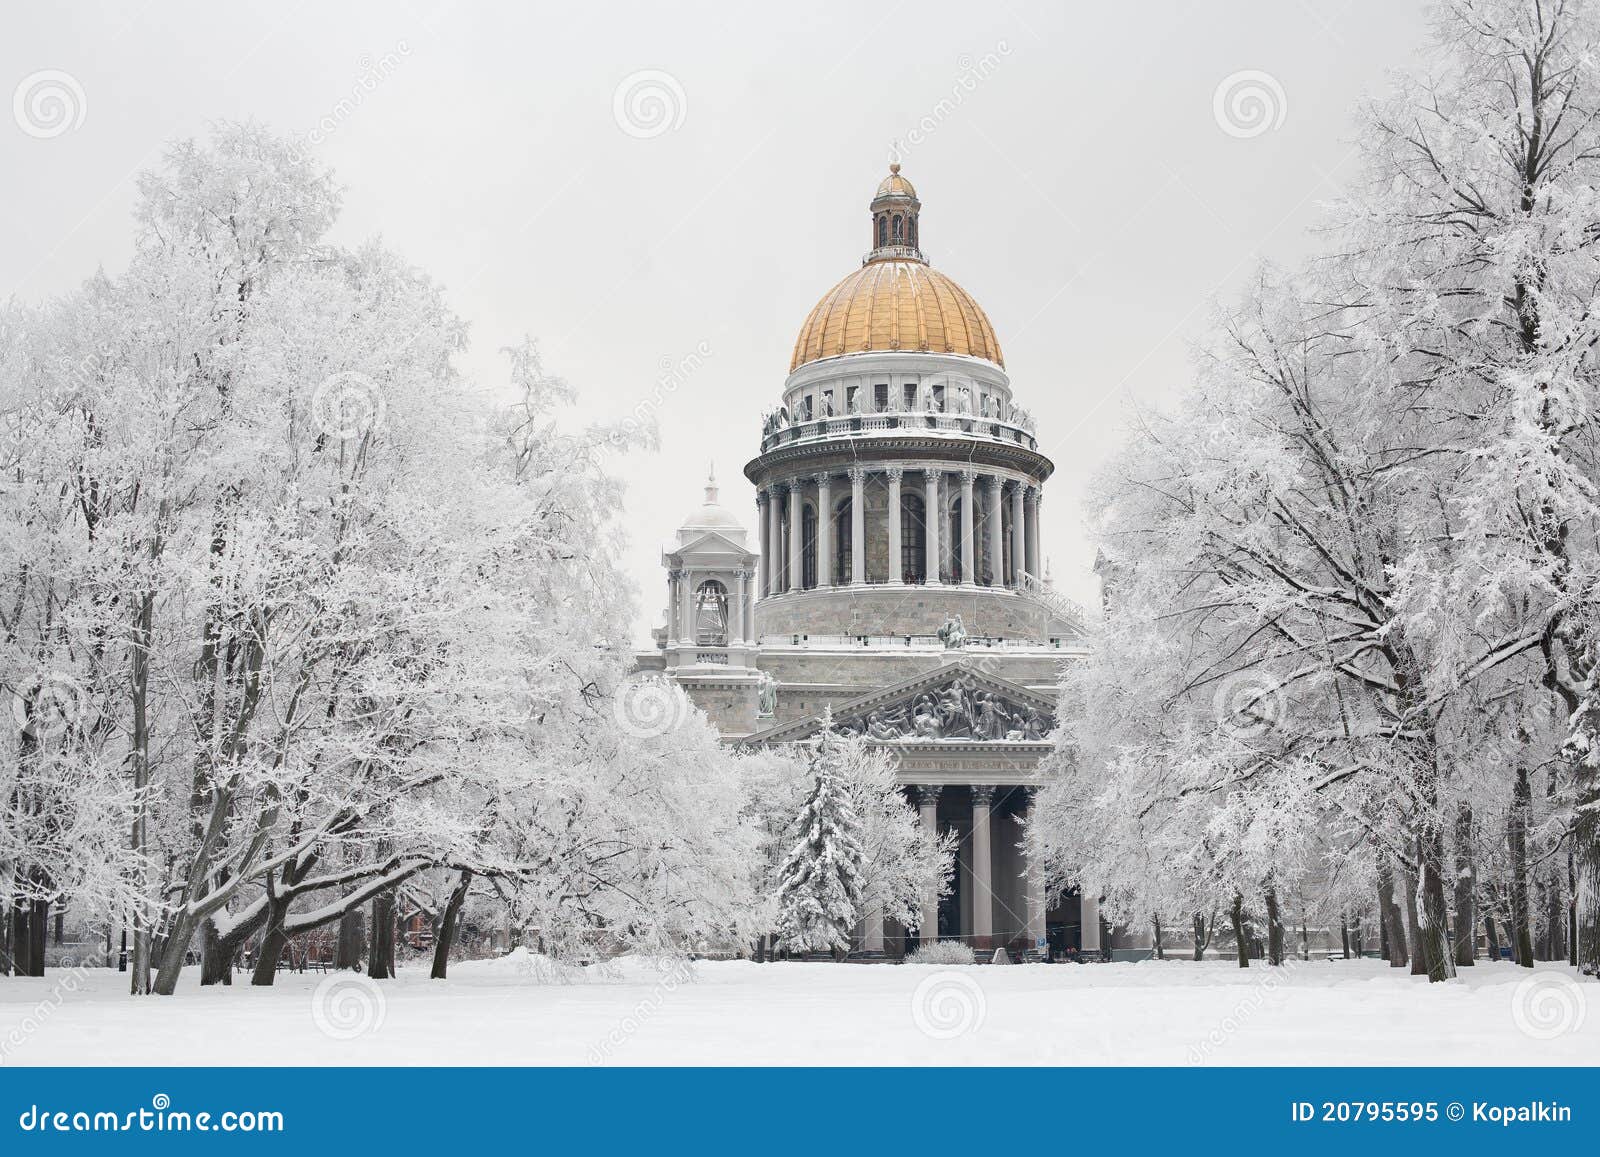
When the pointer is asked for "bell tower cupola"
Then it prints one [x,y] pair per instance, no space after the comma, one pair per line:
[895,209]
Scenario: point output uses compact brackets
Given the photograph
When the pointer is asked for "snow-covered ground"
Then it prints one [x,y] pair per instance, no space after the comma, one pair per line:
[514,1011]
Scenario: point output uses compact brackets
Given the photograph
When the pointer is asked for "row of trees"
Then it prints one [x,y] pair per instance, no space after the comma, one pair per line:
[297,624]
[1349,654]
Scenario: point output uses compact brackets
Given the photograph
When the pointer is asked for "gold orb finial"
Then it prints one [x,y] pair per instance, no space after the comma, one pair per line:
[894,166]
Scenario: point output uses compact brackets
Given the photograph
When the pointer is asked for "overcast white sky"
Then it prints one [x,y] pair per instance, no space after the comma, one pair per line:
[1076,183]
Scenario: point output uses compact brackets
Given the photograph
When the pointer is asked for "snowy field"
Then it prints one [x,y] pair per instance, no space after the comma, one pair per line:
[516,1011]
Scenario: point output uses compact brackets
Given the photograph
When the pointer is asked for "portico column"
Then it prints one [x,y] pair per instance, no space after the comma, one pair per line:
[996,543]
[1089,923]
[750,614]
[1031,505]
[794,535]
[968,576]
[736,611]
[824,529]
[896,571]
[858,525]
[930,518]
[1019,549]
[982,868]
[1035,887]
[928,808]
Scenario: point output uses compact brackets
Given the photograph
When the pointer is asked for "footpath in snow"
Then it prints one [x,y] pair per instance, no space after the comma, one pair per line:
[521,1011]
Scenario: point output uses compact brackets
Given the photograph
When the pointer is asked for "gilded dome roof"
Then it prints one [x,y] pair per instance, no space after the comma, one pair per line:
[894,185]
[896,305]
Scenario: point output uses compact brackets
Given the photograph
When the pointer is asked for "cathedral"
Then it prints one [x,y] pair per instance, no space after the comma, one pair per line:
[894,577]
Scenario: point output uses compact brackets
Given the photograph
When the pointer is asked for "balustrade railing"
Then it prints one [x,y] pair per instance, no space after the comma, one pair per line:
[909,421]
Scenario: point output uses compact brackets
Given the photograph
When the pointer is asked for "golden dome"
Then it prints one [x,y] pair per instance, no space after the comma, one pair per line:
[896,305]
[894,185]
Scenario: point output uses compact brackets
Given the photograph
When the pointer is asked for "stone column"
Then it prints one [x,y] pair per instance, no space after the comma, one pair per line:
[1035,889]
[997,548]
[750,614]
[858,525]
[674,616]
[794,535]
[766,541]
[686,632]
[1089,921]
[1019,549]
[896,571]
[982,869]
[736,610]
[968,573]
[1031,505]
[928,807]
[772,562]
[930,516]
[824,529]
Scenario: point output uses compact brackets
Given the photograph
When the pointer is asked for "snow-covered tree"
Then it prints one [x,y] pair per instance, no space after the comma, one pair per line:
[822,882]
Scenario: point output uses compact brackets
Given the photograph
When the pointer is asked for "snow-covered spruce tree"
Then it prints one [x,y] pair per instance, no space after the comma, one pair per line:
[822,882]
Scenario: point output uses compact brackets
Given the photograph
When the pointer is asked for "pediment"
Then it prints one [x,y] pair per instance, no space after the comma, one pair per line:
[958,702]
[710,543]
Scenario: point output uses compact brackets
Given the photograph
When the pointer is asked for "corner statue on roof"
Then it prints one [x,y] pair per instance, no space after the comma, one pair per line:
[953,634]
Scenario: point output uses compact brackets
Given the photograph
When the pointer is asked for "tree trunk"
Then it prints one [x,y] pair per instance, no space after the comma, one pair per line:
[1572,910]
[38,936]
[274,939]
[1200,937]
[1415,952]
[1517,839]
[1466,888]
[1274,928]
[352,935]
[1433,918]
[1356,942]
[1344,935]
[380,937]
[1240,938]
[445,930]
[1391,926]
[139,741]
[1160,952]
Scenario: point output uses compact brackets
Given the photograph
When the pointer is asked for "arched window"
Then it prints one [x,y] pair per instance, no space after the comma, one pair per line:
[899,229]
[711,614]
[912,234]
[913,540]
[883,229]
[808,546]
[842,564]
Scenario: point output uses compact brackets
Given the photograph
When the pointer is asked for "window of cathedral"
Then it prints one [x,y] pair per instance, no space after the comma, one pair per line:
[913,539]
[808,546]
[880,397]
[842,554]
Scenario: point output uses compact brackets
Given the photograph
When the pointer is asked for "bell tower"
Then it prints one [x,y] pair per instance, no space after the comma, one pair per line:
[895,210]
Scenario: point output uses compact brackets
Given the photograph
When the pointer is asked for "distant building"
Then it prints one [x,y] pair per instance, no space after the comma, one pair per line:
[897,578]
